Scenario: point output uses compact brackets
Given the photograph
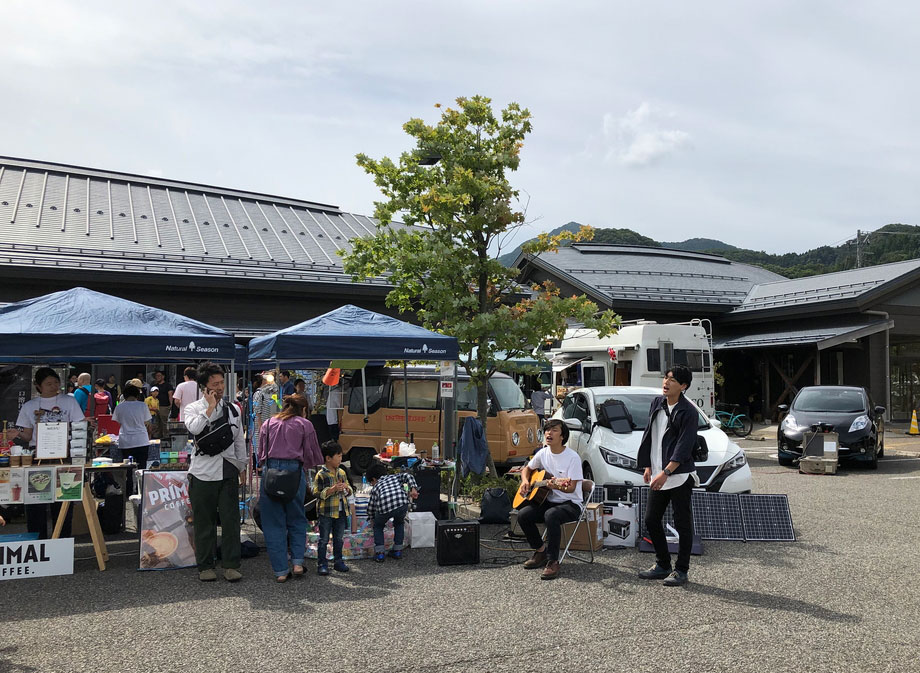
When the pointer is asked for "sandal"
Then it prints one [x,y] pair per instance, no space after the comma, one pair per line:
[280,579]
[297,571]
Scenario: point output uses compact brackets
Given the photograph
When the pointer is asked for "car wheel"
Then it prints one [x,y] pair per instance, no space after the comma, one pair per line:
[785,462]
[587,472]
[361,459]
[881,446]
[873,464]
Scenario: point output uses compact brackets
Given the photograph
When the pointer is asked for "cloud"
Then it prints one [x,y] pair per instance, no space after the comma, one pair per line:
[637,138]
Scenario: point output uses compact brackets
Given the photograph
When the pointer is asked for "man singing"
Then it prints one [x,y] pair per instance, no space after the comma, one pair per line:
[666,453]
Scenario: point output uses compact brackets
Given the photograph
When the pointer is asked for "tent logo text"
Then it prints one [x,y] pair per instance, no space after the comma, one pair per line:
[191,348]
[424,350]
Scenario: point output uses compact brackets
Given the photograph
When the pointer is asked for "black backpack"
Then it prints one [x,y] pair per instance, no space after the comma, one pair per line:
[219,438]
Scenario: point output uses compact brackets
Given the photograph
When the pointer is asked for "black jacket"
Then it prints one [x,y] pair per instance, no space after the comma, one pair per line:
[679,438]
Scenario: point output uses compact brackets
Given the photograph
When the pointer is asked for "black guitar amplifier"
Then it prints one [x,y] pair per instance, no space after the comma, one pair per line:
[457,542]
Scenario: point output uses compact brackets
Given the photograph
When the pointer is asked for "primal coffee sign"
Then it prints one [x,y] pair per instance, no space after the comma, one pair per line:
[36,558]
[190,347]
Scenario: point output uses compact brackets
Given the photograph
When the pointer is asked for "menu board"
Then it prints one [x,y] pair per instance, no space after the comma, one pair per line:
[51,442]
[167,534]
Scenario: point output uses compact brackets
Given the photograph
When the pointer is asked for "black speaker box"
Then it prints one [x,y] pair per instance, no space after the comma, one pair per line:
[457,542]
[429,491]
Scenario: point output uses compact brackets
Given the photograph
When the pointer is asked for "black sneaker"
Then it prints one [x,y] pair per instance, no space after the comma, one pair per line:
[656,572]
[676,579]
[322,569]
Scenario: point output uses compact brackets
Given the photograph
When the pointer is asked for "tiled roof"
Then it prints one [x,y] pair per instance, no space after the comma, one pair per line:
[827,287]
[73,217]
[639,273]
[800,335]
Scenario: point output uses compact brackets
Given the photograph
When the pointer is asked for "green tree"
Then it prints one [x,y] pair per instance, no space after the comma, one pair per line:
[458,210]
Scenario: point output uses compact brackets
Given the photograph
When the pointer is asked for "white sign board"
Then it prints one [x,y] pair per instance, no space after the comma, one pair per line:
[447,389]
[52,441]
[36,558]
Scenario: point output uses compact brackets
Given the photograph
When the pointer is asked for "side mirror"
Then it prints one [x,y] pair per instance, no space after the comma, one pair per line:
[782,407]
[879,411]
[573,424]
[716,423]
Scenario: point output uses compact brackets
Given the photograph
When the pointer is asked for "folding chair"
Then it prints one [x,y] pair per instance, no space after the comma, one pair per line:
[587,492]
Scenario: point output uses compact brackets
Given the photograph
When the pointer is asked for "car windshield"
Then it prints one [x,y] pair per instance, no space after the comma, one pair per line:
[638,405]
[507,393]
[829,399]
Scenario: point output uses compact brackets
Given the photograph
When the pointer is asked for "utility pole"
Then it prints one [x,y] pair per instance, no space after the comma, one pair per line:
[858,253]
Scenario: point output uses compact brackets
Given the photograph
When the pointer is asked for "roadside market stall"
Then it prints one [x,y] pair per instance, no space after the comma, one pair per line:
[352,338]
[81,325]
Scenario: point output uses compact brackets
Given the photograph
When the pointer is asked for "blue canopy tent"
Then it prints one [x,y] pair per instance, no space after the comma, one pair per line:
[80,324]
[352,333]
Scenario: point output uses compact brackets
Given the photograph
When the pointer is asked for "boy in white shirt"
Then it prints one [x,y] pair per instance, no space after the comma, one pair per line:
[563,504]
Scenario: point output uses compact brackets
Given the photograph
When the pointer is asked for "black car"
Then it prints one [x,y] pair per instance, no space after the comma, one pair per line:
[846,410]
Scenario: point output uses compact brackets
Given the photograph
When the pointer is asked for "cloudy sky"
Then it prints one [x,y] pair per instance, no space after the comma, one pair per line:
[774,125]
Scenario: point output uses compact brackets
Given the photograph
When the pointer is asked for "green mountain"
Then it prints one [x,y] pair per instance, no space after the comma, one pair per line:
[891,243]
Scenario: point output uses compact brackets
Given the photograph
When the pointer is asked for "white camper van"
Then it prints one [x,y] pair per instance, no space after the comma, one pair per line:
[638,355]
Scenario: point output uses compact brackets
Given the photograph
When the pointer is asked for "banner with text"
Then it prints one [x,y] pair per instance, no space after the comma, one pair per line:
[167,535]
[36,558]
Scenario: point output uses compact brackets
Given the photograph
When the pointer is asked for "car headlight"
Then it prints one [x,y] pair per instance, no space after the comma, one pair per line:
[530,435]
[789,423]
[737,461]
[540,435]
[618,459]
[515,438]
[859,423]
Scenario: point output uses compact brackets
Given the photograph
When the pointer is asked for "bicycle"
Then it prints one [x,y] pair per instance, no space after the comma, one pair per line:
[740,424]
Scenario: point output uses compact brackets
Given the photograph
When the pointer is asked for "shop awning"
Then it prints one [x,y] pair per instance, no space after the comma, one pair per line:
[564,362]
[823,336]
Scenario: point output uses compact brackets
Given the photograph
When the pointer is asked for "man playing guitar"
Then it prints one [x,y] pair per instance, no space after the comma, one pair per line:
[563,504]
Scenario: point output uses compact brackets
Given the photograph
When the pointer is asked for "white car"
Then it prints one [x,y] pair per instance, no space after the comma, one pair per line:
[609,457]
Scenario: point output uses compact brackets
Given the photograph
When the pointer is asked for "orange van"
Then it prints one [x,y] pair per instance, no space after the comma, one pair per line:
[512,434]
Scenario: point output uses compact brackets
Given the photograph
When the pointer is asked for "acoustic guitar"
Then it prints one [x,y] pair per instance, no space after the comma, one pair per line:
[538,489]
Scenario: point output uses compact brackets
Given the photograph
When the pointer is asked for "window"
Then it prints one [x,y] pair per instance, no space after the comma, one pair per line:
[466,396]
[422,393]
[568,406]
[374,393]
[593,376]
[654,360]
[697,361]
[580,410]
[506,393]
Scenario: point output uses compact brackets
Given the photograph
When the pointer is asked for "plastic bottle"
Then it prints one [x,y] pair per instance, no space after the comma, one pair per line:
[363,484]
[389,448]
[435,452]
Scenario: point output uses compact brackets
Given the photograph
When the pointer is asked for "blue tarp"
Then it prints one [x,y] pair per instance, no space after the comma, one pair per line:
[351,333]
[87,326]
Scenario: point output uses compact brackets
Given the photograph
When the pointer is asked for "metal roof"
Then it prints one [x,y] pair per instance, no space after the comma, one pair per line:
[639,273]
[829,287]
[826,335]
[53,215]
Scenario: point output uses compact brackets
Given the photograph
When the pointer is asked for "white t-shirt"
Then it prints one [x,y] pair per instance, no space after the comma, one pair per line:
[58,408]
[184,394]
[132,416]
[658,430]
[565,465]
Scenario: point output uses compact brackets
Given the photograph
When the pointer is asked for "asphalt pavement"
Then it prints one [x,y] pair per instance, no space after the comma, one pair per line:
[842,597]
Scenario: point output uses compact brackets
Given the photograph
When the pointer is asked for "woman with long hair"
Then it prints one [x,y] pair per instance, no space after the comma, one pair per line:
[288,443]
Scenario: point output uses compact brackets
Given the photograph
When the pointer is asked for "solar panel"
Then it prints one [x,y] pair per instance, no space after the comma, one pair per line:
[766,518]
[717,516]
[721,516]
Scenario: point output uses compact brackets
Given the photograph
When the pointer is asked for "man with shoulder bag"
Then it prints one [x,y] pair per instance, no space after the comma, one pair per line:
[214,474]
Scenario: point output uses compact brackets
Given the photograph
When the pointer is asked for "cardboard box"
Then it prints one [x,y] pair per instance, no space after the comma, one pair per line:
[590,532]
[620,525]
[814,465]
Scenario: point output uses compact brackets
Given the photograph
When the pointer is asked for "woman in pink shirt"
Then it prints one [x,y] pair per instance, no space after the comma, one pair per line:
[288,442]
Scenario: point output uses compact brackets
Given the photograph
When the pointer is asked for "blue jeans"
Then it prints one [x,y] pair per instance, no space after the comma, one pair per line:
[399,528]
[284,524]
[336,527]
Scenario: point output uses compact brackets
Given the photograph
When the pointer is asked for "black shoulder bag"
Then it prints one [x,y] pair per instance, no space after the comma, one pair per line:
[280,485]
[217,438]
